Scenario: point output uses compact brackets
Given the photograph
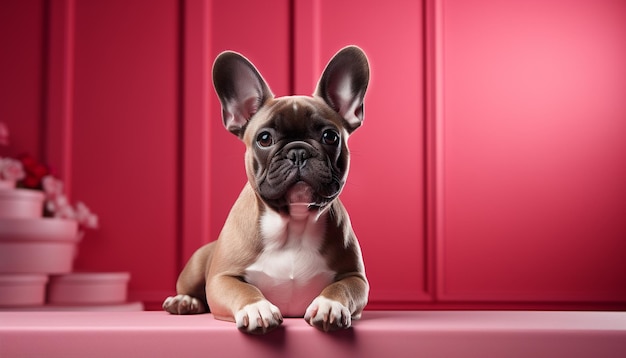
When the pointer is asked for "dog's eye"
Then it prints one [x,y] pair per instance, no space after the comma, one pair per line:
[264,139]
[330,137]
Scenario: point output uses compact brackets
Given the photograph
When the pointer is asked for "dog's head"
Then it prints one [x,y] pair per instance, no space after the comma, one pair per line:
[297,157]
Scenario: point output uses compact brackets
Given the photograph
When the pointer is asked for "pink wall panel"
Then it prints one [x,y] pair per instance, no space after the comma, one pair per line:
[58,118]
[125,139]
[212,159]
[534,151]
[265,40]
[195,185]
[385,189]
[22,42]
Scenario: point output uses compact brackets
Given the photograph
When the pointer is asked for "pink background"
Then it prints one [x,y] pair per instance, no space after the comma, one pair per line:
[490,171]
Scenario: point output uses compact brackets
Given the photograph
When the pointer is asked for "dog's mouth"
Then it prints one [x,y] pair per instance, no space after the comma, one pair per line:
[300,193]
[301,199]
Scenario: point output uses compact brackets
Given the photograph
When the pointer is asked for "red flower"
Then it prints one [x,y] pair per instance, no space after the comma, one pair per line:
[35,171]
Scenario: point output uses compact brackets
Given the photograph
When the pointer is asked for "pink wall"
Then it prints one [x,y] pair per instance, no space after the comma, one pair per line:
[534,150]
[22,71]
[489,171]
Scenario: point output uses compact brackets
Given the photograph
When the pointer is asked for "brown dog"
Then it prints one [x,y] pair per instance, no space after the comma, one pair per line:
[287,247]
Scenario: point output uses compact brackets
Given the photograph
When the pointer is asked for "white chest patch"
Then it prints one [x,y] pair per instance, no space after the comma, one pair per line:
[290,272]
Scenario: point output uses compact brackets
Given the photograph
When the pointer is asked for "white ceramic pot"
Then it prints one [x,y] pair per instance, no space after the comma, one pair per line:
[43,245]
[19,290]
[7,184]
[88,288]
[21,203]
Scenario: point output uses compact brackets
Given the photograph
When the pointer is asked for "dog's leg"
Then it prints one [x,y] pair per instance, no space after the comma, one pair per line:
[190,287]
[235,300]
[338,304]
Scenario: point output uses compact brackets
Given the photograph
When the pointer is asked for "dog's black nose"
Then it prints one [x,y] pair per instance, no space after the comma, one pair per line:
[298,156]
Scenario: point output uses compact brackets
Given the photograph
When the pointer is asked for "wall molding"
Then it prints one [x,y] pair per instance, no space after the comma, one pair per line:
[59,89]
[194,159]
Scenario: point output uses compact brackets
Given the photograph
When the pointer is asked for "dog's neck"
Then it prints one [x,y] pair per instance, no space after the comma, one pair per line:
[304,227]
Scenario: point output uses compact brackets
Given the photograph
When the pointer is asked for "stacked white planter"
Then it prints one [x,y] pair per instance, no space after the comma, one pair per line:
[36,257]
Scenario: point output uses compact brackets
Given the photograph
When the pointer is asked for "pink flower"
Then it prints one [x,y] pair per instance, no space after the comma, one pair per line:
[11,169]
[66,212]
[4,134]
[60,207]
[85,217]
[52,186]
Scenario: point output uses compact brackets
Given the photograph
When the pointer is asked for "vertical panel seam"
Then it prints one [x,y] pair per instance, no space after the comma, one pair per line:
[180,147]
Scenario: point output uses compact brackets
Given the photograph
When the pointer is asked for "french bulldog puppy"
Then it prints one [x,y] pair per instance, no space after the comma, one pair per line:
[287,248]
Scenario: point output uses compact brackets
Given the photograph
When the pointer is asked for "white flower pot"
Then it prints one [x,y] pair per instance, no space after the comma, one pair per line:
[18,290]
[88,288]
[7,184]
[42,245]
[21,203]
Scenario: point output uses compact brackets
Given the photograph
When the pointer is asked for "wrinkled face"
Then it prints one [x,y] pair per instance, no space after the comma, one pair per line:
[296,153]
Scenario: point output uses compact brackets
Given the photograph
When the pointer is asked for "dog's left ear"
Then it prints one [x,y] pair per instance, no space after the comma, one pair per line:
[240,88]
[343,85]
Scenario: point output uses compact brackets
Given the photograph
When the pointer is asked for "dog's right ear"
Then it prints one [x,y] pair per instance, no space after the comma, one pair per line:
[240,88]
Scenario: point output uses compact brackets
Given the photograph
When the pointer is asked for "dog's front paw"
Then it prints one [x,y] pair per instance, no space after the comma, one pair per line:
[258,318]
[328,315]
[183,304]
